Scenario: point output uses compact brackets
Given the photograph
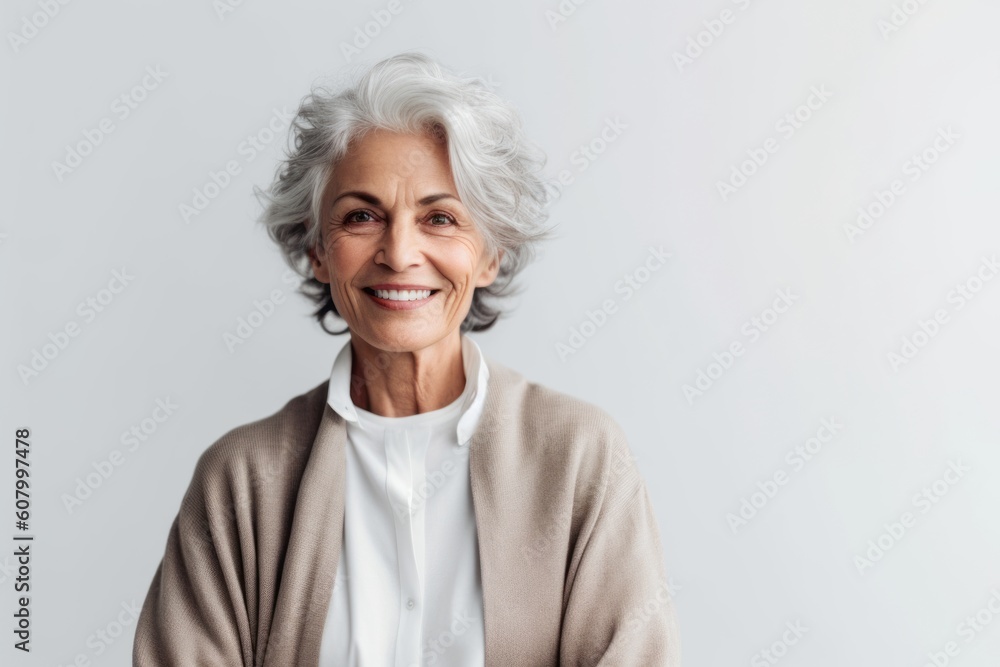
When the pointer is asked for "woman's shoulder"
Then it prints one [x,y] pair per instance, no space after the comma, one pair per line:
[563,439]
[555,417]
[276,443]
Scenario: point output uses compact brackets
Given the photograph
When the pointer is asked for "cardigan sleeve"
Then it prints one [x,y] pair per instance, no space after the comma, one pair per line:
[618,607]
[194,612]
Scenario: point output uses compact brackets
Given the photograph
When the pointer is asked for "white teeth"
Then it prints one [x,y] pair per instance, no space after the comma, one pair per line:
[403,295]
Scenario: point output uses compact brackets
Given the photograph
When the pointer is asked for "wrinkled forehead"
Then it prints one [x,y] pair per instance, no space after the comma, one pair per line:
[392,161]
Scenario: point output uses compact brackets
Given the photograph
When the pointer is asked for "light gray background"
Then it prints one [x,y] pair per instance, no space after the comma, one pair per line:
[655,185]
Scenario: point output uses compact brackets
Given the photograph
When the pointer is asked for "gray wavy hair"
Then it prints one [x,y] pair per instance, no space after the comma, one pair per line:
[495,168]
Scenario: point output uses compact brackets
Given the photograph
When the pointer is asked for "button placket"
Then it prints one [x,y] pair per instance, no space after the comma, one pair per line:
[404,471]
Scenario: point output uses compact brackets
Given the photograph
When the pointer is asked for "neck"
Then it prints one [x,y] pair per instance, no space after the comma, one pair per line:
[401,384]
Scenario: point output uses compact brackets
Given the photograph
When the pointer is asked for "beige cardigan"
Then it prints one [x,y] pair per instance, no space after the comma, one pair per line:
[571,560]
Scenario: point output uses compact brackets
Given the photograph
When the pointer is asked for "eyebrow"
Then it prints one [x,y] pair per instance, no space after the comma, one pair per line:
[374,201]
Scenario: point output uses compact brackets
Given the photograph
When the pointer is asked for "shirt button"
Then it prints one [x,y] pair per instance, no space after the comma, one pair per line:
[409,603]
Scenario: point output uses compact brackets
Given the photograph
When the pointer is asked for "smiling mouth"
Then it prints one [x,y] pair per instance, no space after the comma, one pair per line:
[401,295]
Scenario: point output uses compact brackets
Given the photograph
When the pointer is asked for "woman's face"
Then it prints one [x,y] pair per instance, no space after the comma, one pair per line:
[391,219]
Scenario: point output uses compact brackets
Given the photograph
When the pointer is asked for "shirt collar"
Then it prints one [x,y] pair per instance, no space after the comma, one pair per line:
[339,394]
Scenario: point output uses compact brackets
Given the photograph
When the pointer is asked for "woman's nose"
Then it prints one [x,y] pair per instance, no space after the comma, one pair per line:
[400,243]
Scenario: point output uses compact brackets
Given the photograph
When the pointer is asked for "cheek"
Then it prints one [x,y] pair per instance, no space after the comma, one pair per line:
[345,256]
[460,259]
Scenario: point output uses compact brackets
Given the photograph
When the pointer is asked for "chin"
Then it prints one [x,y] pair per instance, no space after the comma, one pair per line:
[398,339]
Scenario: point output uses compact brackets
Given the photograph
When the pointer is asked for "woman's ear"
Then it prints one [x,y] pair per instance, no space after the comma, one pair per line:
[318,265]
[489,274]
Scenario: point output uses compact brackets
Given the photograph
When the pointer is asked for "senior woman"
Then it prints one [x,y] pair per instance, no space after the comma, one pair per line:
[424,505]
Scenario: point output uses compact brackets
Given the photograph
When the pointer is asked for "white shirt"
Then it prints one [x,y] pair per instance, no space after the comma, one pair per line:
[408,591]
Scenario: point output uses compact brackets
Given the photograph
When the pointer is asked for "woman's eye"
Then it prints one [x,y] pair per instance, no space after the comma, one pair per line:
[441,220]
[359,216]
